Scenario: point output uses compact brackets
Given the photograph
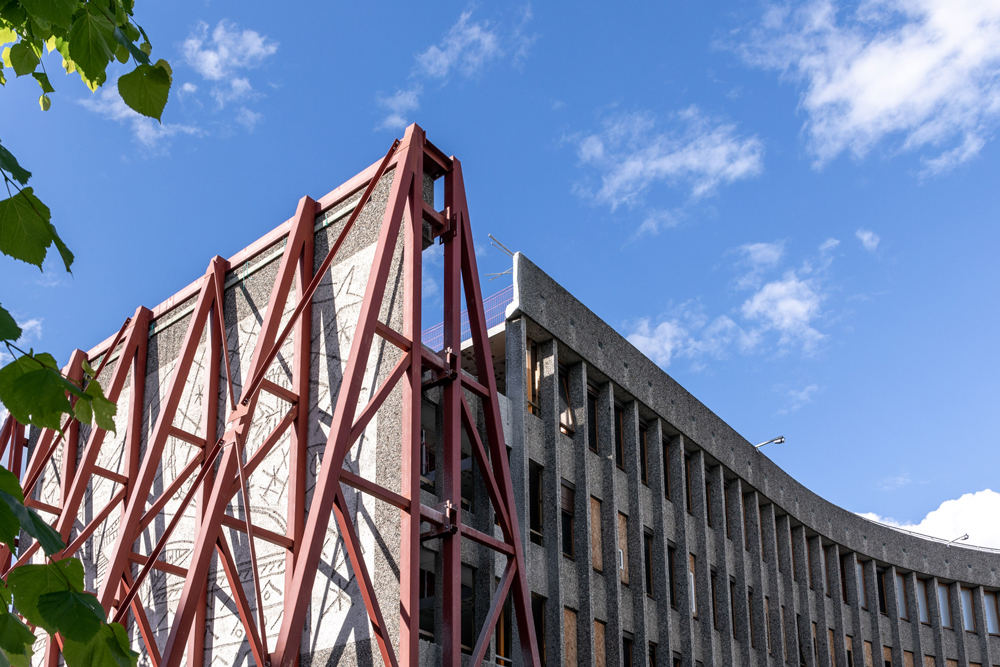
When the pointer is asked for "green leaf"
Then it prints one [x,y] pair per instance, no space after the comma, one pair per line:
[9,483]
[108,648]
[128,42]
[44,102]
[56,12]
[34,525]
[76,616]
[104,410]
[121,53]
[23,58]
[25,230]
[16,639]
[7,35]
[10,527]
[145,89]
[8,327]
[9,163]
[89,44]
[28,582]
[88,369]
[32,394]
[43,80]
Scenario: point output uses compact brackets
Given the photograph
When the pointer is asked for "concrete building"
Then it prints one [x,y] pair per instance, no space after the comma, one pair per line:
[654,533]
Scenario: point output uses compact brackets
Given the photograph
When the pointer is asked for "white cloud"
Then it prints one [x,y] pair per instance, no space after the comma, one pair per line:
[789,306]
[972,513]
[152,135]
[655,222]
[220,57]
[468,48]
[758,258]
[799,397]
[247,118]
[923,73]
[828,245]
[630,155]
[868,238]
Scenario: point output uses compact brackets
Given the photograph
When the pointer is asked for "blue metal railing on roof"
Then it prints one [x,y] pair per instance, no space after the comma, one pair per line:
[495,307]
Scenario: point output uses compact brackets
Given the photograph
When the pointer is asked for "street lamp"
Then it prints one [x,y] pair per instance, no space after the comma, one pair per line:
[779,440]
[958,539]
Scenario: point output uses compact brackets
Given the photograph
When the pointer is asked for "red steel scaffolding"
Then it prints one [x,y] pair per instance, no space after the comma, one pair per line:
[220,467]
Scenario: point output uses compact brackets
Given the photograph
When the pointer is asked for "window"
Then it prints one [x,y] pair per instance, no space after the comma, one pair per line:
[887,655]
[569,637]
[643,456]
[671,565]
[647,557]
[426,588]
[534,375]
[880,580]
[767,623]
[945,605]
[725,508]
[538,616]
[992,616]
[732,607]
[922,601]
[568,500]
[746,526]
[784,644]
[843,579]
[830,644]
[904,612]
[666,470]
[715,604]
[592,421]
[809,562]
[692,594]
[596,544]
[869,655]
[791,553]
[567,423]
[623,548]
[535,501]
[908,660]
[862,587]
[760,531]
[968,616]
[504,657]
[687,482]
[849,640]
[627,641]
[600,651]
[815,645]
[753,630]
[428,446]
[652,654]
[826,569]
[619,437]
[708,503]
[468,608]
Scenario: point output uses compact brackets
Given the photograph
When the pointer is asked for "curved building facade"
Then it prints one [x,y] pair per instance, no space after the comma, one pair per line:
[658,535]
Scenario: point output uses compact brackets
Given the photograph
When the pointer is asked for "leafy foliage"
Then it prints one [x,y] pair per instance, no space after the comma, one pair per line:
[88,35]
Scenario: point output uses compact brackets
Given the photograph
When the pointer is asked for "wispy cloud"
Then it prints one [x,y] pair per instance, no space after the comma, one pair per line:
[467,49]
[894,482]
[779,315]
[924,74]
[222,58]
[798,398]
[868,238]
[630,153]
[150,134]
[972,513]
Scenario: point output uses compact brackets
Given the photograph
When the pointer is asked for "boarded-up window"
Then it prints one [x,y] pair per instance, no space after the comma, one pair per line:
[623,547]
[596,548]
[887,655]
[833,654]
[869,658]
[951,663]
[569,635]
[849,640]
[929,661]
[600,652]
[908,660]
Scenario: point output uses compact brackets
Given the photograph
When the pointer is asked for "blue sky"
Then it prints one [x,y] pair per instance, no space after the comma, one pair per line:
[791,208]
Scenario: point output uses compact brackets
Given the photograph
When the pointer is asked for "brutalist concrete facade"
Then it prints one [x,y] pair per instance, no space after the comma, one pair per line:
[775,567]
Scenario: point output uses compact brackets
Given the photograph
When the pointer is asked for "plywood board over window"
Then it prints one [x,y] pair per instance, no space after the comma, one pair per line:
[908,659]
[869,658]
[600,652]
[623,547]
[596,548]
[569,634]
[887,655]
[929,661]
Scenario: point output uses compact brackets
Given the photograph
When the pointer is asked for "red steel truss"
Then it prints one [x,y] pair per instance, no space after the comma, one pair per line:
[219,468]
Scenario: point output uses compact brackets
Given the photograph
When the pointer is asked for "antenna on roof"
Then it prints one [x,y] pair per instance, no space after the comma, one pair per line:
[504,249]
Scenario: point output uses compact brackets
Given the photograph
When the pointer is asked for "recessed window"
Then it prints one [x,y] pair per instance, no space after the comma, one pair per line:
[647,557]
[849,640]
[568,502]
[569,635]
[843,578]
[732,607]
[535,502]
[968,615]
[426,588]
[692,594]
[666,470]
[708,503]
[592,421]
[945,603]
[862,588]
[887,656]
[468,608]
[504,656]
[652,654]
[623,547]
[567,423]
[725,508]
[596,543]
[600,650]
[750,615]
[643,456]
[538,616]
[627,641]
[687,484]
[619,437]
[672,566]
[715,603]
[767,623]
[992,615]
[534,376]
[880,580]
[428,446]
[922,602]
[901,606]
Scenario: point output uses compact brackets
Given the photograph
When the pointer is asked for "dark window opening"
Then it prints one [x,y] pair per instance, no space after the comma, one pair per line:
[666,469]
[534,375]
[538,616]
[467,473]
[535,502]
[881,592]
[428,447]
[567,423]
[647,557]
[725,509]
[592,421]
[715,603]
[426,589]
[468,608]
[619,437]
[568,501]
[643,456]
[652,654]
[672,566]
[708,503]
[843,579]
[504,656]
[627,642]
[687,483]
[732,607]
[753,631]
